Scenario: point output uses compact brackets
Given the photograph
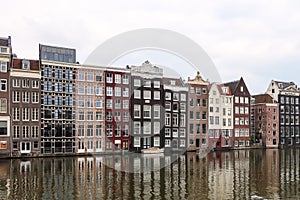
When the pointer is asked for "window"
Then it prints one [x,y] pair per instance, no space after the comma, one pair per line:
[197,115]
[137,94]
[125,116]
[175,132]
[241,99]
[191,102]
[156,141]
[147,83]
[81,76]
[99,90]
[81,102]
[3,128]
[98,103]
[109,103]
[48,72]
[48,100]
[182,120]
[109,78]
[25,114]
[118,78]
[204,102]
[217,120]
[211,120]
[182,132]
[68,101]
[90,102]
[168,119]
[147,111]
[236,100]
[204,90]
[125,79]
[147,128]
[168,105]
[156,127]
[90,90]
[98,130]
[35,84]
[25,97]
[80,89]
[156,111]
[191,128]
[182,106]
[90,130]
[125,92]
[3,84]
[118,130]
[16,131]
[3,67]
[90,116]
[57,114]
[117,117]
[246,100]
[80,116]
[90,76]
[168,96]
[237,121]
[117,91]
[167,143]
[58,87]
[16,83]
[175,119]
[16,96]
[156,84]
[137,82]
[109,91]
[69,74]
[98,116]
[183,97]
[3,50]
[137,127]
[167,132]
[58,73]
[25,131]
[182,143]
[16,114]
[35,114]
[137,112]
[147,94]
[125,104]
[204,115]
[136,142]
[98,76]
[175,97]
[242,89]
[157,95]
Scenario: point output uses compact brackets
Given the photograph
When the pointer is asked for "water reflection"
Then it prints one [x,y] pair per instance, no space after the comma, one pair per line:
[272,174]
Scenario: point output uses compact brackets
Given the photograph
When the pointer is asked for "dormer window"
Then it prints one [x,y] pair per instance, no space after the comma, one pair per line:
[25,64]
[225,90]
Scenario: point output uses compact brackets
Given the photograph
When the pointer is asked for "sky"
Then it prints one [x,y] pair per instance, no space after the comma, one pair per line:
[253,39]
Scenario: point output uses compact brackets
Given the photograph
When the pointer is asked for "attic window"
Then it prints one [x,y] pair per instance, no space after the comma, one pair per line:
[225,90]
[25,64]
[242,89]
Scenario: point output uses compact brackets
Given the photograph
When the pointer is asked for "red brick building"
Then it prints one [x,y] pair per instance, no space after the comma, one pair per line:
[266,121]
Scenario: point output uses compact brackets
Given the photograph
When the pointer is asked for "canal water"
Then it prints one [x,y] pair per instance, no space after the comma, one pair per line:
[271,174]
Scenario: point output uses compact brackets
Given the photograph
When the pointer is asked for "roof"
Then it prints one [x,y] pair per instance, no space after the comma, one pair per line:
[283,85]
[232,85]
[178,81]
[263,98]
[17,64]
[220,88]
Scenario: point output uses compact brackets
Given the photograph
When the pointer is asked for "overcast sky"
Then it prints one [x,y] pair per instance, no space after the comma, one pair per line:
[259,40]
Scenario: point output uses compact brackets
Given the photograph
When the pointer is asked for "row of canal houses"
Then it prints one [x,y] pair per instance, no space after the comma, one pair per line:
[56,106]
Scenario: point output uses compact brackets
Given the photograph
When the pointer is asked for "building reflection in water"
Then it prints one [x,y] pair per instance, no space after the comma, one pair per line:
[272,174]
